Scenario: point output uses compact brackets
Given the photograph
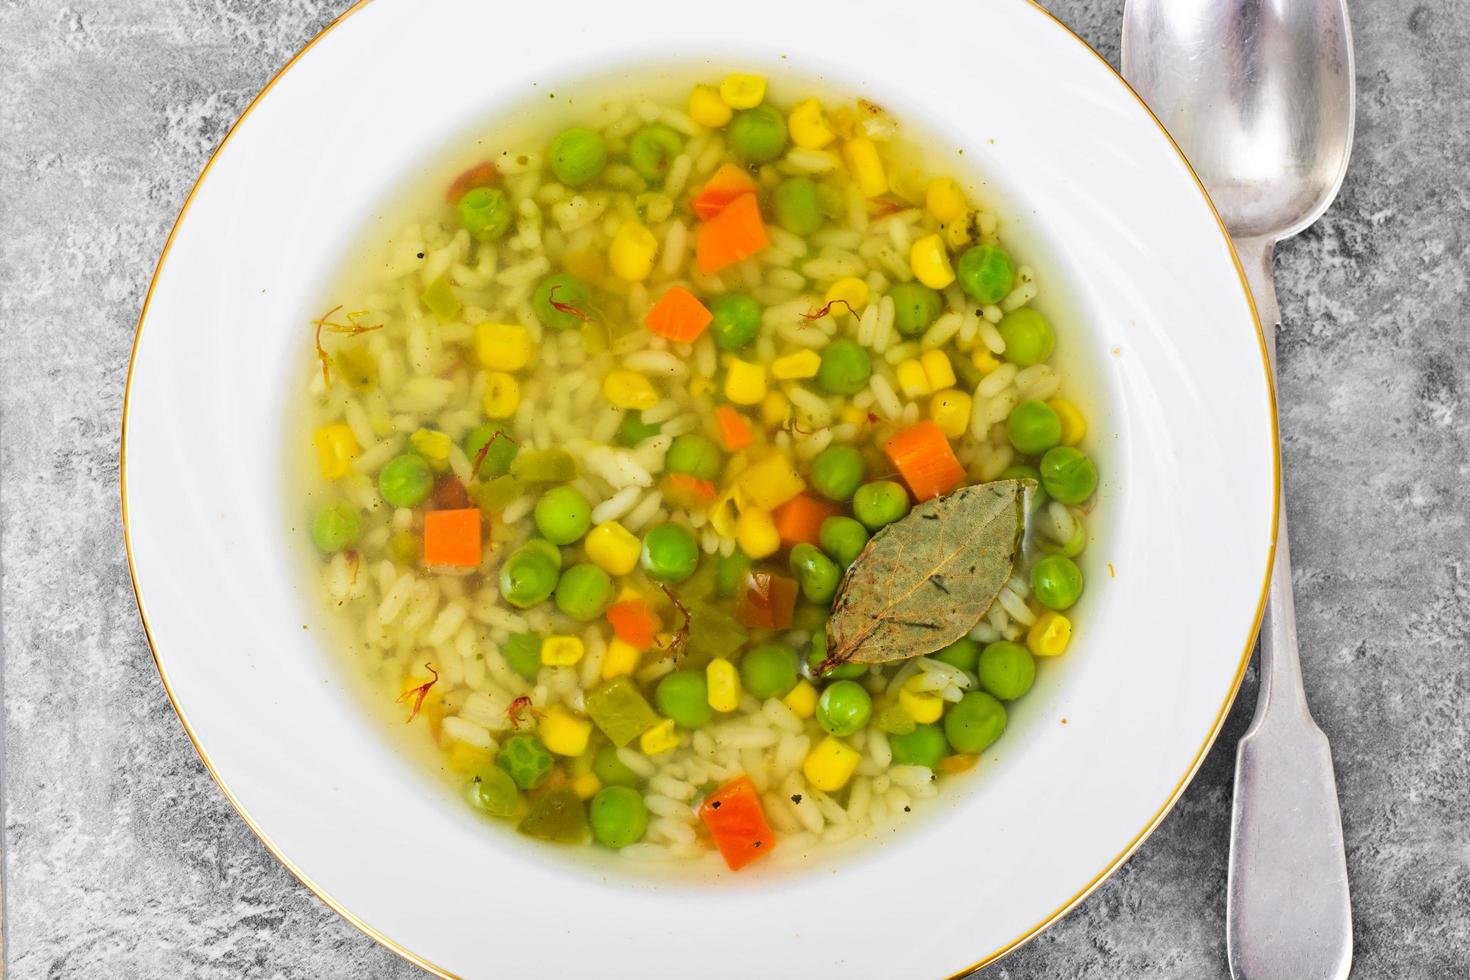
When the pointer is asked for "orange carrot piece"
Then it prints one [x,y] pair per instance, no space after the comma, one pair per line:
[734,430]
[452,537]
[688,491]
[480,175]
[634,623]
[728,183]
[737,822]
[736,233]
[925,460]
[799,520]
[679,316]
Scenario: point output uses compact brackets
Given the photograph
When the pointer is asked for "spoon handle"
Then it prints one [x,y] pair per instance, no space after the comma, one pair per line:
[1288,913]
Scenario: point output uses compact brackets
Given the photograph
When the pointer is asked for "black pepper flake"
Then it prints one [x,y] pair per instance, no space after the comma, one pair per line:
[796,798]
[421,255]
[715,805]
[757,843]
[907,810]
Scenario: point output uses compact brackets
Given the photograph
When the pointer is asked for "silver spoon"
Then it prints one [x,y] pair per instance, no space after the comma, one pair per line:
[1259,94]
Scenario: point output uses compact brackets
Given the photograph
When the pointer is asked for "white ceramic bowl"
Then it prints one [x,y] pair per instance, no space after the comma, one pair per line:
[1152,310]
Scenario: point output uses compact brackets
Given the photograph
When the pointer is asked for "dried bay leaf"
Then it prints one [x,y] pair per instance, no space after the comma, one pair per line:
[924,581]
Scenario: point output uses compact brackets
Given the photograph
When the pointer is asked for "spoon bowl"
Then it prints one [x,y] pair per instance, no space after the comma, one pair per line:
[1260,96]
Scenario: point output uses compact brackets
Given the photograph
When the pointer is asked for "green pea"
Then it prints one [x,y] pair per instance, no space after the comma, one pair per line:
[556,815]
[986,273]
[768,671]
[962,653]
[837,471]
[566,290]
[915,307]
[522,653]
[895,720]
[563,515]
[843,539]
[1021,471]
[1057,582]
[528,577]
[577,156]
[1027,336]
[1033,427]
[695,455]
[544,547]
[584,592]
[406,481]
[736,322]
[611,770]
[498,457]
[798,206]
[336,526]
[494,791]
[845,367]
[818,653]
[880,503]
[844,708]
[670,553]
[757,135]
[729,570]
[618,816]
[652,149]
[484,213]
[817,574]
[632,429]
[684,697]
[1007,670]
[925,745]
[974,722]
[1068,475]
[526,759]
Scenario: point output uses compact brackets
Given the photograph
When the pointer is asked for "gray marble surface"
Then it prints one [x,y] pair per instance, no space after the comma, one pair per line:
[123,859]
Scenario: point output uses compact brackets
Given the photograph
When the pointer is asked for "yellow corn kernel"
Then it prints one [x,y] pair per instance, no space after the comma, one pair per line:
[621,658]
[801,699]
[847,296]
[659,738]
[808,125]
[699,386]
[924,707]
[950,410]
[467,758]
[802,364]
[1049,635]
[586,785]
[930,262]
[707,108]
[956,234]
[336,448]
[723,681]
[612,547]
[561,651]
[1074,426]
[756,534]
[854,416]
[771,482]
[912,380]
[945,200]
[937,369]
[502,395]
[865,166]
[984,360]
[563,732]
[433,446]
[725,511]
[830,765]
[503,346]
[743,91]
[745,383]
[631,253]
[775,409]
[629,389]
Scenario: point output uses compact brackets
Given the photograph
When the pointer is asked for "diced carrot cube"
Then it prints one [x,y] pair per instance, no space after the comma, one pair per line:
[634,623]
[734,430]
[728,183]
[736,233]
[925,460]
[799,520]
[737,823]
[679,316]
[452,537]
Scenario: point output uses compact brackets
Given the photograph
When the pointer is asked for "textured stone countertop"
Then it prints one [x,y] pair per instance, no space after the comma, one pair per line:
[124,860]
